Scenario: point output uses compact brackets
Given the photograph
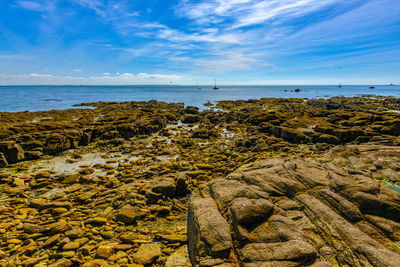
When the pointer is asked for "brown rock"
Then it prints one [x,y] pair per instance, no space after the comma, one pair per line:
[147,253]
[52,240]
[31,228]
[11,151]
[71,246]
[97,220]
[180,258]
[62,263]
[105,251]
[208,232]
[75,233]
[70,178]
[128,214]
[58,211]
[165,187]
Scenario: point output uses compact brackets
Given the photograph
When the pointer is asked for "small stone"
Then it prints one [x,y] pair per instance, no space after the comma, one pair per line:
[86,171]
[58,227]
[107,234]
[30,261]
[68,254]
[86,165]
[123,247]
[18,182]
[85,250]
[128,238]
[31,228]
[51,240]
[42,175]
[14,241]
[62,263]
[147,253]
[166,187]
[104,252]
[180,258]
[97,220]
[3,255]
[128,214]
[211,262]
[82,240]
[70,178]
[71,246]
[174,238]
[75,233]
[95,263]
[58,211]
[39,203]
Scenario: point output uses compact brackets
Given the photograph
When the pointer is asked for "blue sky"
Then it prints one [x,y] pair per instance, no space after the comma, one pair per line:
[195,41]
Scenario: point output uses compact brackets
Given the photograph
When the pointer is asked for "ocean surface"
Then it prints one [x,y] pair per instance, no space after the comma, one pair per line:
[35,98]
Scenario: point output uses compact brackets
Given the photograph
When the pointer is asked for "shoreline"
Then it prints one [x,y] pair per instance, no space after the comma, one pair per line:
[64,97]
[127,183]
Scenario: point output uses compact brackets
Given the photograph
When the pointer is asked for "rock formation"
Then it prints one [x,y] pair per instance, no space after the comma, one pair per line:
[297,212]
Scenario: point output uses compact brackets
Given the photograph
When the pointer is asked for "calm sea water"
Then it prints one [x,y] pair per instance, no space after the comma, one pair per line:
[35,98]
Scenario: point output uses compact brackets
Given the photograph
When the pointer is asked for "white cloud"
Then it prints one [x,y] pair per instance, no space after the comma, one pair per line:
[212,37]
[229,61]
[39,6]
[108,10]
[77,70]
[119,79]
[31,5]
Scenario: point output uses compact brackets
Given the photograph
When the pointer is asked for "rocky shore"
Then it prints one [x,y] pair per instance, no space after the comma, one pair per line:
[268,182]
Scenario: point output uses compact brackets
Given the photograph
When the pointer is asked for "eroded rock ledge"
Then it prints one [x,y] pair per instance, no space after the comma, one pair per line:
[300,212]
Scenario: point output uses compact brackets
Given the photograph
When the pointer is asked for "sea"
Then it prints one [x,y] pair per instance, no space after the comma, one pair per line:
[41,98]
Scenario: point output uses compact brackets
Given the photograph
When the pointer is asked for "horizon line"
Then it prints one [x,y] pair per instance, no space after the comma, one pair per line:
[80,85]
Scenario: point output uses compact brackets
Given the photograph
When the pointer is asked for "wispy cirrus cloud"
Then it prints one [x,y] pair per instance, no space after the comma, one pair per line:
[241,13]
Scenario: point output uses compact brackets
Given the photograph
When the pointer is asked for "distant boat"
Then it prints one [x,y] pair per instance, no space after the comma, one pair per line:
[372,87]
[215,86]
[340,85]
[391,84]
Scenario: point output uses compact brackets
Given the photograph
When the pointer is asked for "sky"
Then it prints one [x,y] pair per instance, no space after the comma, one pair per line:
[260,42]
